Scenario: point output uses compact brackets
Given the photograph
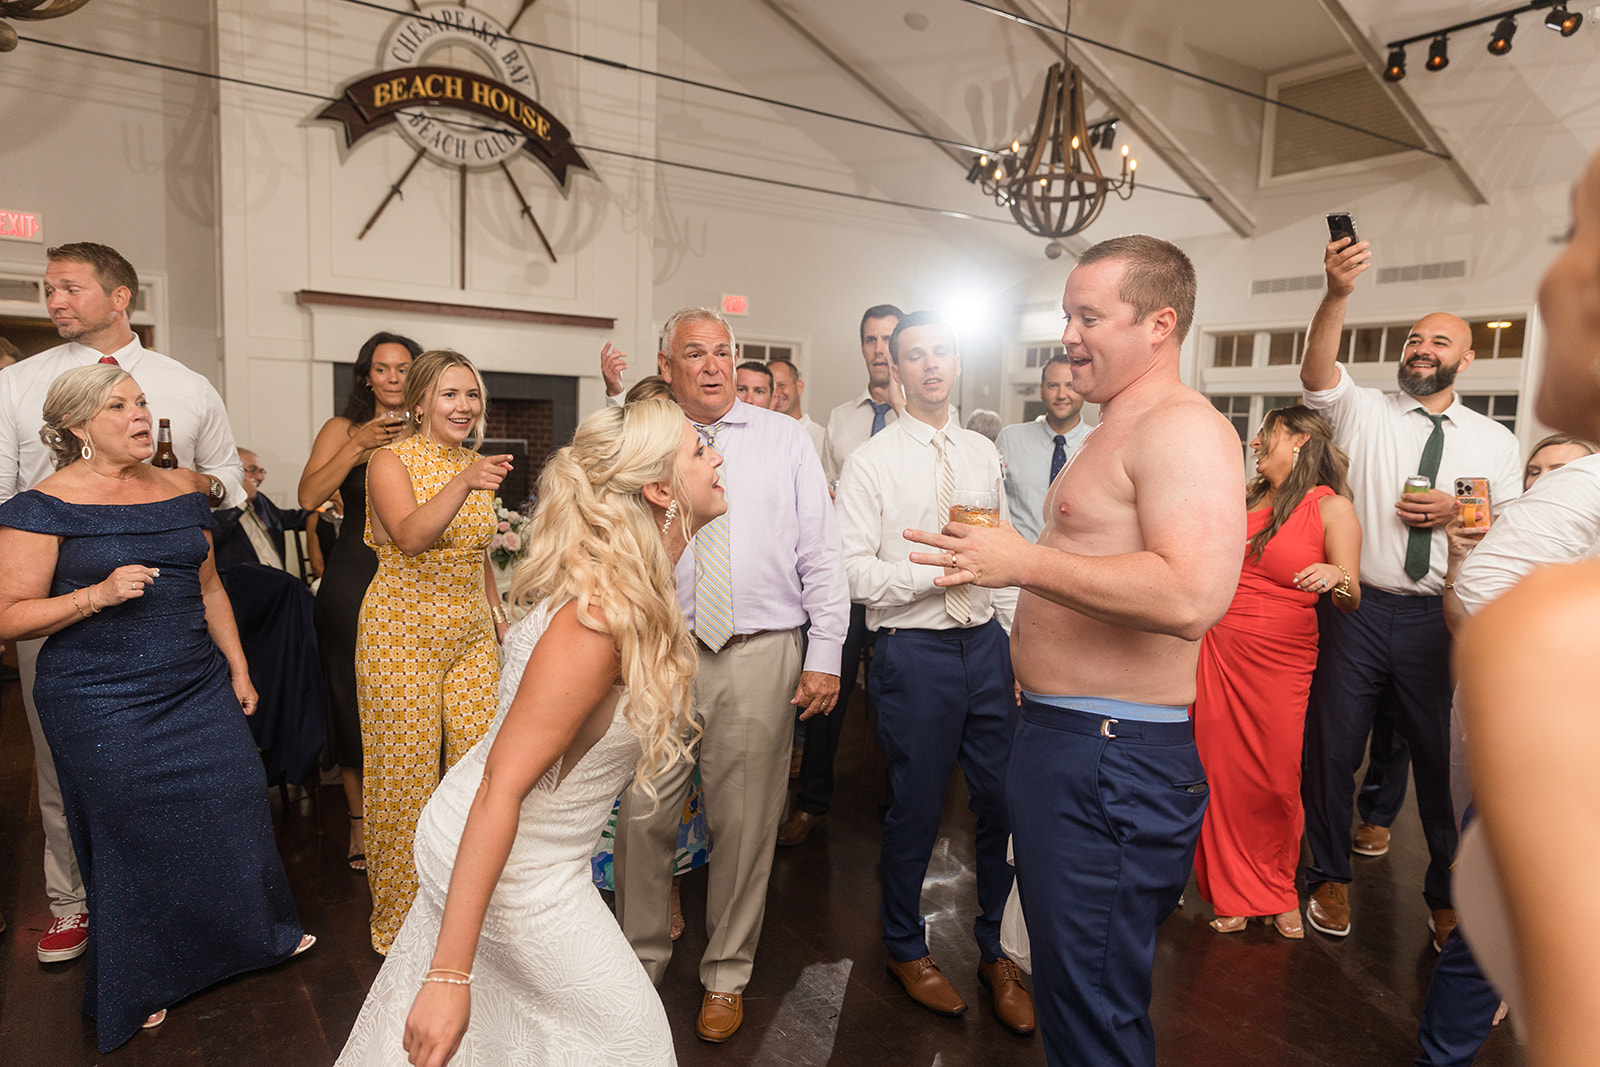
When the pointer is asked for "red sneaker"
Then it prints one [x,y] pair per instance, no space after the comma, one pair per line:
[67,939]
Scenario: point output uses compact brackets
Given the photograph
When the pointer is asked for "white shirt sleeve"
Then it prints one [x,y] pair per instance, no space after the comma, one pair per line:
[10,443]
[1557,521]
[1347,406]
[215,452]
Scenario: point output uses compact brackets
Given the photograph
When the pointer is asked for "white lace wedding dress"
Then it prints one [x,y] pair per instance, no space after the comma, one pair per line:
[554,981]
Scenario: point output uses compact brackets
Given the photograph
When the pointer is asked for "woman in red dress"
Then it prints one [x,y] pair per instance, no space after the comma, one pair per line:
[1255,670]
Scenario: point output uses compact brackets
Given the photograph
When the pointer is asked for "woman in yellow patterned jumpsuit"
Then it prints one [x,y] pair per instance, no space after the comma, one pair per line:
[427,668]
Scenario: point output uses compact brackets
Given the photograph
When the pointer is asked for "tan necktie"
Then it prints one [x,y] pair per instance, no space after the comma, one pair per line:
[957,601]
[260,540]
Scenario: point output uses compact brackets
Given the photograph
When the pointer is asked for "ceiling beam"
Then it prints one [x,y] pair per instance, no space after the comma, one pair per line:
[1375,60]
[852,66]
[1160,139]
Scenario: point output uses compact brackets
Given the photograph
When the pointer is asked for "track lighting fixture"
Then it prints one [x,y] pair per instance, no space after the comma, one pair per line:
[1556,17]
[1438,53]
[1500,43]
[1395,68]
[1563,22]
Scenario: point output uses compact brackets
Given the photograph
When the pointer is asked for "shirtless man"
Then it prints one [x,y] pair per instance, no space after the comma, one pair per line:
[1139,557]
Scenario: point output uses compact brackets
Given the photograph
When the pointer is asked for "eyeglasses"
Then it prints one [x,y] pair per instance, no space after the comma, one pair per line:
[259,472]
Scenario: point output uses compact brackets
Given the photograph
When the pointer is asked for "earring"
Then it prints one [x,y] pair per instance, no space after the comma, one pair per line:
[1295,458]
[86,452]
[672,513]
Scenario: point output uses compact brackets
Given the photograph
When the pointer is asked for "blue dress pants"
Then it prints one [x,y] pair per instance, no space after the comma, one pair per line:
[943,696]
[1105,832]
[822,731]
[1395,649]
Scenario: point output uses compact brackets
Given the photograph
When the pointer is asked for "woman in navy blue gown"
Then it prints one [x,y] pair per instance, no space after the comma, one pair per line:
[140,691]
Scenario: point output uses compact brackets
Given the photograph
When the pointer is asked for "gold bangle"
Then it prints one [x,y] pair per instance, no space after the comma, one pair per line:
[75,604]
[447,970]
[89,592]
[498,614]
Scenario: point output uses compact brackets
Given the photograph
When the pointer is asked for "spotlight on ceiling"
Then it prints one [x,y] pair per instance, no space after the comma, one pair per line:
[1500,43]
[1562,21]
[1108,136]
[1438,53]
[1395,68]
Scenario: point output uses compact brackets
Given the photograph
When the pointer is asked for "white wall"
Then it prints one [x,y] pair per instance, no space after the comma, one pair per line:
[121,154]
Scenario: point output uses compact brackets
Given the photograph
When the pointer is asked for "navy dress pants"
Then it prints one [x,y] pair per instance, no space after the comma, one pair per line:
[1383,787]
[1105,832]
[943,696]
[1459,1011]
[822,731]
[1395,649]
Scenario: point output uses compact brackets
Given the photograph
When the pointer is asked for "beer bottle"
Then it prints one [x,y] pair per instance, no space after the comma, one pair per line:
[164,457]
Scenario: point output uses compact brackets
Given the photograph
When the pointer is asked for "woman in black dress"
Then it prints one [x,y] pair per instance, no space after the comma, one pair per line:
[374,414]
[142,694]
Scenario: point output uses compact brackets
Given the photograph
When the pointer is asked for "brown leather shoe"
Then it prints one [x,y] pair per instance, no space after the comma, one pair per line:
[1370,840]
[1329,912]
[721,1015]
[925,985]
[797,827]
[1441,922]
[1012,1005]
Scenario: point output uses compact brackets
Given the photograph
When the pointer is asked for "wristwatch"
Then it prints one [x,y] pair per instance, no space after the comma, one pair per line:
[218,492]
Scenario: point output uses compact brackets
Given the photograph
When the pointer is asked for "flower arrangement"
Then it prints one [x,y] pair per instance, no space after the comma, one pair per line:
[505,548]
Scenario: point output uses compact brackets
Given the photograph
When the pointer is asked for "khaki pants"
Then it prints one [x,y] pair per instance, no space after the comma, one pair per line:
[742,697]
[62,882]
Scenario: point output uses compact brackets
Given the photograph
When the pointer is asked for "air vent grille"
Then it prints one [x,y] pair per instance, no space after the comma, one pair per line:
[1296,284]
[1423,272]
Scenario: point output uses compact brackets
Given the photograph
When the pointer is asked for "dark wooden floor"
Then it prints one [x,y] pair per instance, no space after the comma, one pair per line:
[820,993]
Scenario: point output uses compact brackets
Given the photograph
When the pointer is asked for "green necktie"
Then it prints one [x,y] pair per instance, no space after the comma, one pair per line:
[1420,538]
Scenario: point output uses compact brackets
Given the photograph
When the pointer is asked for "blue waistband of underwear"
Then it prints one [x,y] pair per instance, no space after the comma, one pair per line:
[1115,709]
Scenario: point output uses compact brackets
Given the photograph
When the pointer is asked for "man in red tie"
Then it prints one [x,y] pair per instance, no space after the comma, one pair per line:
[89,289]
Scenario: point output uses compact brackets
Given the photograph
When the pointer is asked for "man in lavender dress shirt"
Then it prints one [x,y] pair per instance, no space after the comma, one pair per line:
[753,579]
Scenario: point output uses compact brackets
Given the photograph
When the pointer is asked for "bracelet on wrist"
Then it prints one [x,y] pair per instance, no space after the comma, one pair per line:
[437,974]
[75,604]
[89,592]
[498,613]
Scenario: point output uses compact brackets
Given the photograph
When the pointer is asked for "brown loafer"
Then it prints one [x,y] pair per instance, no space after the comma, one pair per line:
[797,827]
[1370,840]
[1012,1005]
[1329,912]
[925,985]
[1441,922]
[721,1015]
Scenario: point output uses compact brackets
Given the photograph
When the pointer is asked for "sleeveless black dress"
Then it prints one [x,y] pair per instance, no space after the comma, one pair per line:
[164,791]
[347,572]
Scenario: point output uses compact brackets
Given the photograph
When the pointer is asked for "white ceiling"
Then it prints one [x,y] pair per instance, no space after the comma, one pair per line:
[1524,119]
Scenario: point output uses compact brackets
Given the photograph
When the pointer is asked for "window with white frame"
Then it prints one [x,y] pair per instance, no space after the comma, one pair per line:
[1492,338]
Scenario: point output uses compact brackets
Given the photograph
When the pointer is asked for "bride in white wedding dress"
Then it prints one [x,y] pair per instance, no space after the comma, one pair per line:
[508,955]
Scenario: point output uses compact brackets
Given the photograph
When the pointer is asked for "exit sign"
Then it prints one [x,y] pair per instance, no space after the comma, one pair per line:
[735,305]
[21,226]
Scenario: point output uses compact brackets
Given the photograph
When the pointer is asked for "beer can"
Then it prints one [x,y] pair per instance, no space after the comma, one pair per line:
[1418,484]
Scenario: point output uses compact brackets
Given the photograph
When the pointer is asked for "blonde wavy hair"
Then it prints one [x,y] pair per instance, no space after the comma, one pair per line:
[74,399]
[594,539]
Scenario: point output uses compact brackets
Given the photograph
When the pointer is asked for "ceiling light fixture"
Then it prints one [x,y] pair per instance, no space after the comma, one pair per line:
[1051,183]
[1557,18]
[1438,53]
[1562,21]
[1395,68]
[1500,42]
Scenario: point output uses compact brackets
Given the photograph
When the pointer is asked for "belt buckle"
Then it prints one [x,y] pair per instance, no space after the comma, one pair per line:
[1105,727]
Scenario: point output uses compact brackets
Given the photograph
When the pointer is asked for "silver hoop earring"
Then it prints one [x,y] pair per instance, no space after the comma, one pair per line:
[672,513]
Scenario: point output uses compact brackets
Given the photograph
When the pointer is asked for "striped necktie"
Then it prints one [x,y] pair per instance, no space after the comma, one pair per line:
[957,600]
[713,571]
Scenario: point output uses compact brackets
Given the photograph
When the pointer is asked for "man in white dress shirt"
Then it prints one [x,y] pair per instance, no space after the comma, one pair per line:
[1034,452]
[941,675]
[788,392]
[1397,646]
[88,290]
[752,579]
